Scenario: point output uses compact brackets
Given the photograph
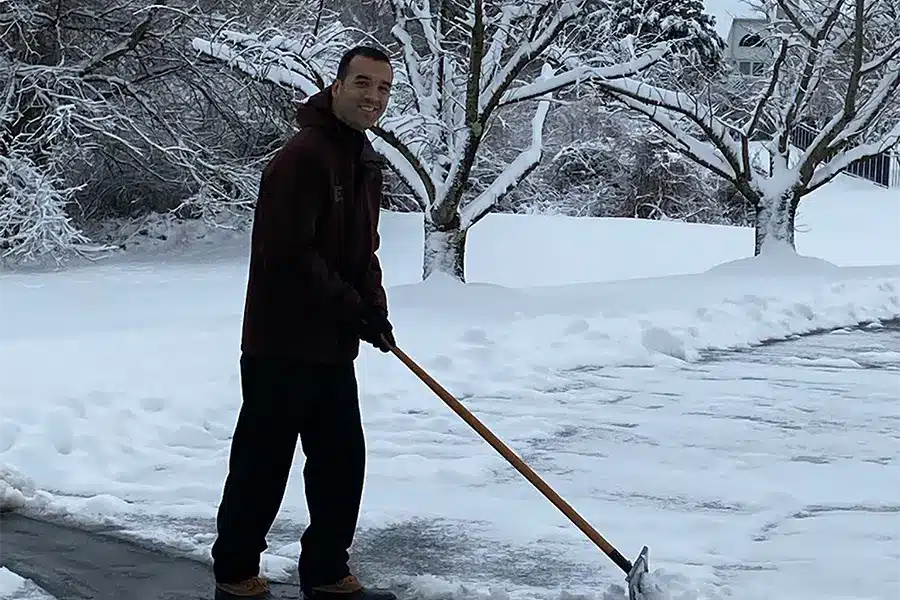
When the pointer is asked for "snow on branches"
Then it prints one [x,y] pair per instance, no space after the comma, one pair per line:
[101,101]
[33,219]
[52,103]
[457,64]
[300,63]
[833,72]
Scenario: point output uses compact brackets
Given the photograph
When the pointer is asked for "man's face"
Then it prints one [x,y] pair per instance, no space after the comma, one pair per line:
[361,99]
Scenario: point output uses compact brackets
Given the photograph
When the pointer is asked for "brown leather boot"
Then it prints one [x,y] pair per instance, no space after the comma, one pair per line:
[252,588]
[348,588]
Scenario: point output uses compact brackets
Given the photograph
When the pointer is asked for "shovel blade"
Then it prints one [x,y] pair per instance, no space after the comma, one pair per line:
[635,578]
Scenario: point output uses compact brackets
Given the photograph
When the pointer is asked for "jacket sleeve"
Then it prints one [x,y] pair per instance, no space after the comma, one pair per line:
[293,192]
[372,287]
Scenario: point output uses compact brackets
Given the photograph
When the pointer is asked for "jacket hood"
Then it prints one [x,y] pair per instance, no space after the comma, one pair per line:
[316,112]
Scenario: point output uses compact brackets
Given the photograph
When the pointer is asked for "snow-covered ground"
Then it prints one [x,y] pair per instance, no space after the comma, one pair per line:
[119,392]
[15,587]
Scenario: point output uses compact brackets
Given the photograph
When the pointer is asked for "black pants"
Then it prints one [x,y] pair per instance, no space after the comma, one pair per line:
[284,399]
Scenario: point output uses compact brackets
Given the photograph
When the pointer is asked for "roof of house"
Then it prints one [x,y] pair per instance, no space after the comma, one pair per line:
[726,11]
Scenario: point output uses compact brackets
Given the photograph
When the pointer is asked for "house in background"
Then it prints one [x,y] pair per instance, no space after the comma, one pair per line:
[746,48]
[747,45]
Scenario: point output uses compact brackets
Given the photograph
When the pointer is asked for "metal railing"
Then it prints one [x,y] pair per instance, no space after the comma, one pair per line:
[895,169]
[881,169]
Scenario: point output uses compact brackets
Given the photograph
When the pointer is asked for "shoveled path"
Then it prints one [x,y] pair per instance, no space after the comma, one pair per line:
[74,564]
[95,562]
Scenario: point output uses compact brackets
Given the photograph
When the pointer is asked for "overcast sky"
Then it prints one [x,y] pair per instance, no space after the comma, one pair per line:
[725,10]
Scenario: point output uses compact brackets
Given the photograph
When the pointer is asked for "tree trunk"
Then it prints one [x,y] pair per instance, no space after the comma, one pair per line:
[775,222]
[445,249]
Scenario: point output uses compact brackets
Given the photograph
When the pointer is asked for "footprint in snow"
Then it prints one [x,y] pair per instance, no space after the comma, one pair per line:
[476,336]
[9,434]
[153,404]
[100,398]
[576,327]
[441,361]
[59,431]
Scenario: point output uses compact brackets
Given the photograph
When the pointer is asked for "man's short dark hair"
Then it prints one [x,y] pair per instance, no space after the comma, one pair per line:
[365,51]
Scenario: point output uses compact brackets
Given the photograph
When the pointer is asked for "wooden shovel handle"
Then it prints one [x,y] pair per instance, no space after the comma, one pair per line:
[520,465]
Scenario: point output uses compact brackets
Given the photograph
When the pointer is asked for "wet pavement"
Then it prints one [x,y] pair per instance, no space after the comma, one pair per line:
[79,564]
[94,563]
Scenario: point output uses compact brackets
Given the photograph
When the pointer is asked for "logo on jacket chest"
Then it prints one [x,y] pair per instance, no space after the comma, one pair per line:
[337,193]
[361,190]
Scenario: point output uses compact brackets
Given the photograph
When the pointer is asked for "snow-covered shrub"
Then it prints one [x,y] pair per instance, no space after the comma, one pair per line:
[588,177]
[609,164]
[34,223]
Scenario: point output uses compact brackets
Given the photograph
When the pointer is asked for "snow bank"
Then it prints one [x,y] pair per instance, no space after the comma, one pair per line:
[15,587]
[848,223]
[490,341]
[851,223]
[522,251]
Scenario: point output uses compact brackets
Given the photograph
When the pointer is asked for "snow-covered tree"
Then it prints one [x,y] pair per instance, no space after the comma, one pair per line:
[52,101]
[683,22]
[104,100]
[818,47]
[460,62]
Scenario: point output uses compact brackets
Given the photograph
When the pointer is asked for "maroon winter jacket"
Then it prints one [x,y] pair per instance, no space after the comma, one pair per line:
[315,233]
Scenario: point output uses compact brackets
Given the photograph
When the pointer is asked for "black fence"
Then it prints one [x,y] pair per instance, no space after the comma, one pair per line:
[882,169]
[895,169]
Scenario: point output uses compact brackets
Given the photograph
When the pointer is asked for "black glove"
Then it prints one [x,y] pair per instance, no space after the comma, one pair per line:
[373,327]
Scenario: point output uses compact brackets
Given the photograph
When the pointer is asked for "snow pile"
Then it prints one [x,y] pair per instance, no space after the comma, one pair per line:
[16,490]
[776,258]
[15,587]
[506,333]
[658,585]
[663,585]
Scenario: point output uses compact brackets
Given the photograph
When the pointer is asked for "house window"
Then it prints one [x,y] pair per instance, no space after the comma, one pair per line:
[751,40]
[755,68]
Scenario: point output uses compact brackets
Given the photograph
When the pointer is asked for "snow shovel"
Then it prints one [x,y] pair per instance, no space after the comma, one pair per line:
[634,572]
